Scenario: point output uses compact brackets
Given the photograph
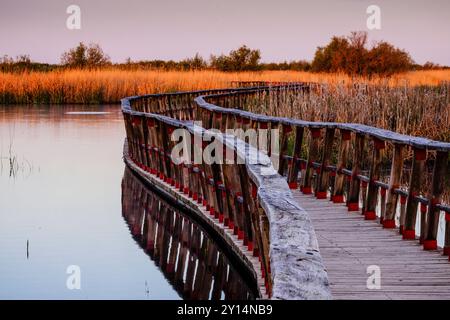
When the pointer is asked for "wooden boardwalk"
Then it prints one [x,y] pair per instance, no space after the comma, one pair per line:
[349,244]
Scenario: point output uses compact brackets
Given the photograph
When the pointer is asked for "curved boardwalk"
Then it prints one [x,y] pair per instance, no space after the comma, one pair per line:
[349,244]
[286,230]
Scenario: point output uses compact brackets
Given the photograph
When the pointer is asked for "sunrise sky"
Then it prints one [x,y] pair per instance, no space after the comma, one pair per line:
[176,29]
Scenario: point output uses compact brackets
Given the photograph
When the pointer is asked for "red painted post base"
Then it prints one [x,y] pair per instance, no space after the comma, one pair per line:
[321,194]
[250,246]
[446,251]
[370,215]
[293,185]
[409,234]
[240,234]
[337,199]
[306,190]
[389,224]
[429,245]
[353,206]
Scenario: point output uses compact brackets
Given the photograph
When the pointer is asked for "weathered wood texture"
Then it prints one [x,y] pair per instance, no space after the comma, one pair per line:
[255,202]
[291,265]
[349,245]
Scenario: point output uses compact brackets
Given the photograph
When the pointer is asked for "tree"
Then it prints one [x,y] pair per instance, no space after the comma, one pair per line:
[241,59]
[350,55]
[333,57]
[385,59]
[85,56]
[195,63]
[356,53]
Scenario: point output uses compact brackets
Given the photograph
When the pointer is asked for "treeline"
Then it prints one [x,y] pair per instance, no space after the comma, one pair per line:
[23,63]
[349,55]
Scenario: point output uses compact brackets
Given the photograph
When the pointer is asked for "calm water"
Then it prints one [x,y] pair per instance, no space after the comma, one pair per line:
[195,265]
[63,197]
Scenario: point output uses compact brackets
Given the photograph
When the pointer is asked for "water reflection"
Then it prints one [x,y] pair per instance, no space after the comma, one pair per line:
[66,210]
[189,258]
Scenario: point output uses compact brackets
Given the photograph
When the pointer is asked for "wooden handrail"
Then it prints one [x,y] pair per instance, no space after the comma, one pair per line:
[343,181]
[429,204]
[238,195]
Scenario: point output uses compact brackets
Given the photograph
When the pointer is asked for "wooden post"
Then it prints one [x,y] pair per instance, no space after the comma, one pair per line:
[265,258]
[285,130]
[447,235]
[415,183]
[294,168]
[375,169]
[312,157]
[322,188]
[353,197]
[233,184]
[394,183]
[338,192]
[363,191]
[437,188]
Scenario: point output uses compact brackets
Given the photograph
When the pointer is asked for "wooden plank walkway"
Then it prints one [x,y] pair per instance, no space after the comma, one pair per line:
[349,244]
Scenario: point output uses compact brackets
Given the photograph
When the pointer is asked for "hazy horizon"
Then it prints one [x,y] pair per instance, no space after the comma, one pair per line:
[282,30]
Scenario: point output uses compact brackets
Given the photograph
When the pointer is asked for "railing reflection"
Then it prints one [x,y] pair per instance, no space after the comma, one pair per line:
[196,266]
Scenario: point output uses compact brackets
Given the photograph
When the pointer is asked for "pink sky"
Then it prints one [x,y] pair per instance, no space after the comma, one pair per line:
[176,29]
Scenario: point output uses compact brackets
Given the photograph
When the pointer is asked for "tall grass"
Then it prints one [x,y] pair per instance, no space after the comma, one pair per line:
[110,85]
[413,110]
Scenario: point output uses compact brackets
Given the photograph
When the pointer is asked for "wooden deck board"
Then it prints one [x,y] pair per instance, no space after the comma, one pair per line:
[349,244]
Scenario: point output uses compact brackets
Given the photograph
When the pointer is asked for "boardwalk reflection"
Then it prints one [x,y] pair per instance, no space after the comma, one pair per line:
[188,257]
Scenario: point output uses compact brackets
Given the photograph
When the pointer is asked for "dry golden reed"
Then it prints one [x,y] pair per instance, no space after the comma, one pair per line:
[109,86]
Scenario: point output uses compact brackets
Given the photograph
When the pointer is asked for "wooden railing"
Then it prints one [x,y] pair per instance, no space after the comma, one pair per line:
[235,194]
[344,179]
[238,194]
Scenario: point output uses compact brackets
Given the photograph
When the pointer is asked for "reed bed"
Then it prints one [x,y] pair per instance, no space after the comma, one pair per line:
[110,85]
[413,110]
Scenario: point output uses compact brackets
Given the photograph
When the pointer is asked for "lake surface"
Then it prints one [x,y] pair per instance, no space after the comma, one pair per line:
[62,195]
